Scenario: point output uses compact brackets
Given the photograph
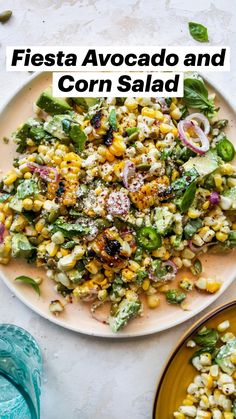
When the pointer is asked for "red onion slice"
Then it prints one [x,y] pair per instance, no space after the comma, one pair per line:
[132,181]
[172,265]
[2,231]
[118,203]
[193,248]
[214,198]
[199,117]
[201,137]
[44,171]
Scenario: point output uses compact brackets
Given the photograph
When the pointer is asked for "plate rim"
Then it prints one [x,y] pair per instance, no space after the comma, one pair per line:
[183,338]
[109,334]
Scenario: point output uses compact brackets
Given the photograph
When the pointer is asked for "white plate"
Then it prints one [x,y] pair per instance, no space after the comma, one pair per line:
[77,316]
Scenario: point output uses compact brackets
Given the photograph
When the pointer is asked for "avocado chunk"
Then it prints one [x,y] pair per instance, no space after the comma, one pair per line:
[163,220]
[86,102]
[16,204]
[52,105]
[21,247]
[56,126]
[204,165]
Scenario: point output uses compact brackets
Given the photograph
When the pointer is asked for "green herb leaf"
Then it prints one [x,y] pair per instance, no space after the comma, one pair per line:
[196,96]
[196,269]
[112,119]
[206,337]
[198,32]
[185,202]
[29,281]
[78,138]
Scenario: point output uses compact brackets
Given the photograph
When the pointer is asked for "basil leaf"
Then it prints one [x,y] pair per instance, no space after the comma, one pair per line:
[198,32]
[29,281]
[196,96]
[78,138]
[206,337]
[188,197]
[112,119]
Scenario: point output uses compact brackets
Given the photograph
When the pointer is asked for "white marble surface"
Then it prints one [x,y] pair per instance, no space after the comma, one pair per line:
[86,377]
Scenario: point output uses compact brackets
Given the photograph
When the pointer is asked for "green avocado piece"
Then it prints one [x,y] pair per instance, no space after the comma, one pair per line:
[56,126]
[86,102]
[21,247]
[204,165]
[163,220]
[16,204]
[52,105]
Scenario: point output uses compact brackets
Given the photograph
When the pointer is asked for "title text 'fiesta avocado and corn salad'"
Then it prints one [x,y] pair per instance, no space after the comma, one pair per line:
[114,196]
[212,393]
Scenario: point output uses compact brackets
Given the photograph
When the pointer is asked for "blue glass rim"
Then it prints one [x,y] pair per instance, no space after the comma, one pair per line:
[11,380]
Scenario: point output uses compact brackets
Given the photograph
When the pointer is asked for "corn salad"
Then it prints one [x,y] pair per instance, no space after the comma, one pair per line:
[114,196]
[212,394]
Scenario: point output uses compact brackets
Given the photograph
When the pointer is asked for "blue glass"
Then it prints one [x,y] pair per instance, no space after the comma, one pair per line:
[20,374]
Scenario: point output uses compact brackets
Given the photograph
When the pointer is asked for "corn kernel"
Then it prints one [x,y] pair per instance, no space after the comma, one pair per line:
[222,327]
[150,113]
[10,178]
[193,213]
[27,175]
[159,115]
[176,114]
[146,284]
[27,204]
[37,205]
[187,402]
[165,128]
[221,236]
[179,415]
[218,181]
[153,301]
[2,217]
[206,205]
[212,286]
[134,266]
[128,275]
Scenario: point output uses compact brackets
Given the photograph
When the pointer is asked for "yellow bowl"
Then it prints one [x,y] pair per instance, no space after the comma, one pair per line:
[178,372]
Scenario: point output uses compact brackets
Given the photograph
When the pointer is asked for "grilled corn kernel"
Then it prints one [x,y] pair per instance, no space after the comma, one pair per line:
[118,146]
[222,237]
[40,225]
[134,266]
[93,267]
[128,275]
